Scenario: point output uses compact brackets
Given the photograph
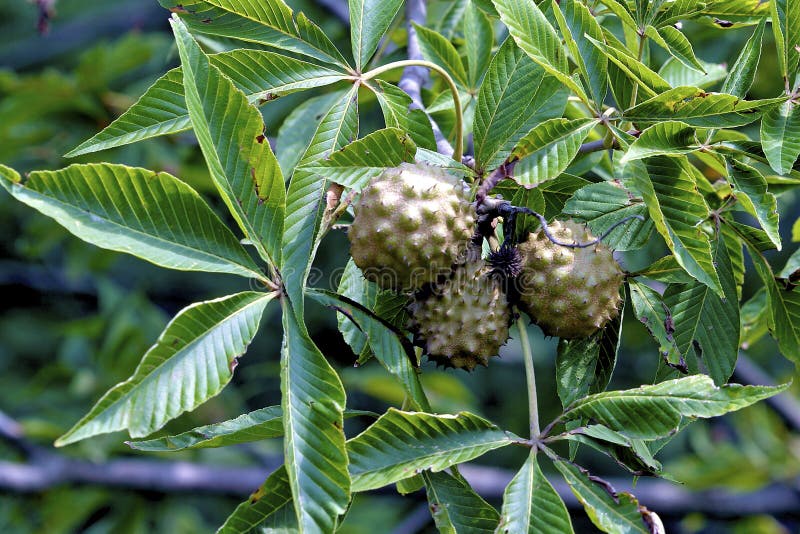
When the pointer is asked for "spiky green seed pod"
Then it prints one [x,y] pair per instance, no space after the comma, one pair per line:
[412,224]
[463,321]
[568,292]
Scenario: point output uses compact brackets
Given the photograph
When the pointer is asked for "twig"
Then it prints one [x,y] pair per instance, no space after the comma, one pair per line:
[530,375]
[413,78]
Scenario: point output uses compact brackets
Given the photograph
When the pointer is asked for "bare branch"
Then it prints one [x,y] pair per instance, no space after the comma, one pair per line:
[414,78]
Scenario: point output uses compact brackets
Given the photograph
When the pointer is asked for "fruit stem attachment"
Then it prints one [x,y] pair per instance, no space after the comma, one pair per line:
[533,400]
[458,149]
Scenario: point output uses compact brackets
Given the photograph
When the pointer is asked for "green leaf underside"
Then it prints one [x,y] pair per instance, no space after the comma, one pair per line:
[304,203]
[576,21]
[401,444]
[743,71]
[516,95]
[677,208]
[531,505]
[153,216]
[267,22]
[254,426]
[313,401]
[663,139]
[231,135]
[369,21]
[750,188]
[397,113]
[701,317]
[191,362]
[161,110]
[780,136]
[535,35]
[355,164]
[617,513]
[783,305]
[698,108]
[550,147]
[456,507]
[649,308]
[385,343]
[602,205]
[585,366]
[268,500]
[436,49]
[654,411]
[258,425]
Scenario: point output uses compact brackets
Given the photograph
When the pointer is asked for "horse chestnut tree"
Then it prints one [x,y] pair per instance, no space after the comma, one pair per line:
[551,139]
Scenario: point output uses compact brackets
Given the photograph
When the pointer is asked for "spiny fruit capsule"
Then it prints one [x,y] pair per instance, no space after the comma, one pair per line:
[568,292]
[412,224]
[463,321]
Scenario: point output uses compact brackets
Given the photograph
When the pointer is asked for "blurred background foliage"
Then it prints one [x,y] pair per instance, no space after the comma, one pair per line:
[76,319]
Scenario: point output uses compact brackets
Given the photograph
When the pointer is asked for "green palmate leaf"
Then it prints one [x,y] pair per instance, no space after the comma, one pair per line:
[604,204]
[649,308]
[650,412]
[649,82]
[677,208]
[313,401]
[153,216]
[786,27]
[437,49]
[390,347]
[231,135]
[355,287]
[270,499]
[703,319]
[745,11]
[355,164]
[191,362]
[298,128]
[531,505]
[304,202]
[162,109]
[535,35]
[456,507]
[259,425]
[750,188]
[550,147]
[780,136]
[667,270]
[698,108]
[254,426]
[557,191]
[674,12]
[617,513]
[675,42]
[400,444]
[743,71]
[369,21]
[267,22]
[515,95]
[479,43]
[665,139]
[623,13]
[585,366]
[575,21]
[783,303]
[398,113]
[676,74]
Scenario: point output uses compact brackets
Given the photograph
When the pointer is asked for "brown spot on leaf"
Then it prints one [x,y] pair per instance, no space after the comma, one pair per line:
[260,139]
[206,21]
[723,23]
[179,9]
[234,363]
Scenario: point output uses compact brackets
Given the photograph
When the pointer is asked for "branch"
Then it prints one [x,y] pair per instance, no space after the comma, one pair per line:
[414,78]
[600,144]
